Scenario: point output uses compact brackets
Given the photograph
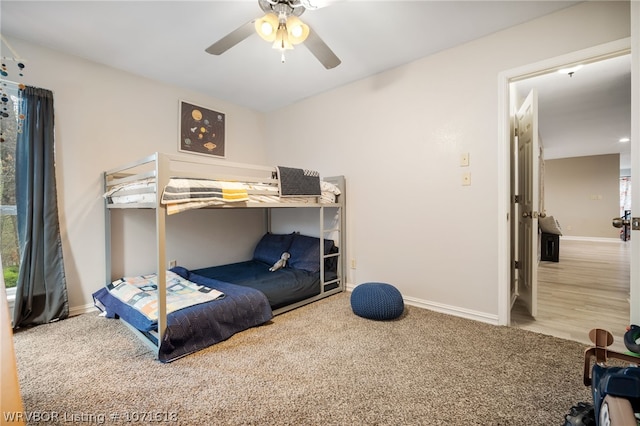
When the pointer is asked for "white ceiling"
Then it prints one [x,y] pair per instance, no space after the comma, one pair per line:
[166,41]
[586,113]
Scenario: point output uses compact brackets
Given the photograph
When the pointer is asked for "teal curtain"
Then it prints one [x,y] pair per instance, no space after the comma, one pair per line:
[41,290]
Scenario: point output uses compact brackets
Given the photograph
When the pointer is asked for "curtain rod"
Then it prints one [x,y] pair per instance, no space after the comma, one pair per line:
[3,81]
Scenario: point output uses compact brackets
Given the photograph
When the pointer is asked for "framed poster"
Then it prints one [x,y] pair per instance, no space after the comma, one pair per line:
[201,130]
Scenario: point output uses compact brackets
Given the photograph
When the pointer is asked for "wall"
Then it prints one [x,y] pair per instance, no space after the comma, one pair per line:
[583,194]
[105,118]
[398,137]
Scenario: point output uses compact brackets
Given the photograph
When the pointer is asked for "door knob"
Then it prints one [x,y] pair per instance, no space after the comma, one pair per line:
[619,222]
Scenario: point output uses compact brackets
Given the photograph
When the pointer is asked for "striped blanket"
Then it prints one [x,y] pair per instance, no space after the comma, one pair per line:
[180,190]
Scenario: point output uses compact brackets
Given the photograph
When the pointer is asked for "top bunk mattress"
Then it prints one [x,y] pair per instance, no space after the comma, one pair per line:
[182,194]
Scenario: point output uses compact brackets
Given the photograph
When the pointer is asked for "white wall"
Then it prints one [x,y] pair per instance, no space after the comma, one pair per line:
[104,118]
[398,137]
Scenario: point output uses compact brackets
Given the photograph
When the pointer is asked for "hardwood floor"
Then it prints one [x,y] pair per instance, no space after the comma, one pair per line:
[588,288]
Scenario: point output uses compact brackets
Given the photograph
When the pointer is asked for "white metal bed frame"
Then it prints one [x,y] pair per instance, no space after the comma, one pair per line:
[163,166]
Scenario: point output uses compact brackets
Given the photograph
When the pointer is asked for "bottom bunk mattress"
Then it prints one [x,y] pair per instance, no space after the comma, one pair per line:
[282,287]
[195,327]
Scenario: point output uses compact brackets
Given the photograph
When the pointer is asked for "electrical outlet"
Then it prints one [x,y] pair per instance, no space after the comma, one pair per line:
[466,178]
[173,263]
[464,159]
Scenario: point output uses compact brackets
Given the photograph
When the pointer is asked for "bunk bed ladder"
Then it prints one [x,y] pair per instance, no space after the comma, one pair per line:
[340,279]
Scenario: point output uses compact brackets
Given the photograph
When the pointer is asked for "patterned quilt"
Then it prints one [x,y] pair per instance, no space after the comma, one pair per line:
[198,326]
[141,293]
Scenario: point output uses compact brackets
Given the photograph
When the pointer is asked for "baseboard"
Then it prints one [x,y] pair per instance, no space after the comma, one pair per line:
[453,310]
[79,310]
[593,239]
[73,311]
[446,309]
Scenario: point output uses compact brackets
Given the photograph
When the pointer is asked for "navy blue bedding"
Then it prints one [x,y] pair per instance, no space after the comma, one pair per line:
[241,308]
[282,287]
[297,281]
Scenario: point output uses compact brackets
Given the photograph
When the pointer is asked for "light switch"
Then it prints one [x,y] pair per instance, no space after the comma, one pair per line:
[464,159]
[466,178]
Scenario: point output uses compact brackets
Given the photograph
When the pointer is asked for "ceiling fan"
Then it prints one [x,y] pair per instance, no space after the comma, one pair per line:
[281,25]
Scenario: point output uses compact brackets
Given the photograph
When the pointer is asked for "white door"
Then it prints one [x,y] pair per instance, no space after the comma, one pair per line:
[526,130]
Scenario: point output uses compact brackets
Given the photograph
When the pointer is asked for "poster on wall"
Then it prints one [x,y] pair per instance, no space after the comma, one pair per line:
[201,130]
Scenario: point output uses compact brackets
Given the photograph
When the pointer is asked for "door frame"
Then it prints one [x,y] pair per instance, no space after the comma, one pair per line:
[592,54]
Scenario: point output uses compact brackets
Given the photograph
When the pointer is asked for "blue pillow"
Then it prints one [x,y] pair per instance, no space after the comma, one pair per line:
[271,247]
[305,252]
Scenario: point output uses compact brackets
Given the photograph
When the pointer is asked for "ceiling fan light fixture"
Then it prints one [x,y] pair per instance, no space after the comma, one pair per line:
[266,27]
[281,27]
[298,30]
[282,41]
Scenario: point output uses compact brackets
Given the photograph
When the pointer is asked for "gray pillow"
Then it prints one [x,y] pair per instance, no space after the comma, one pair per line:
[549,225]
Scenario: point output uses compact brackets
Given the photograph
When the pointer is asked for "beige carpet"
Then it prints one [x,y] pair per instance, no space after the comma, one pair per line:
[317,365]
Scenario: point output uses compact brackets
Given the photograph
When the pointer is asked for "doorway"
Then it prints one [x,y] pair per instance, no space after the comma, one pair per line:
[584,123]
[506,96]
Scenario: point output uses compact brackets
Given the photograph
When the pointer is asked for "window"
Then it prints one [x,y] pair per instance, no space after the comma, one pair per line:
[9,128]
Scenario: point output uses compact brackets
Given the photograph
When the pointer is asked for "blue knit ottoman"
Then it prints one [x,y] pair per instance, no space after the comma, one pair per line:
[377,301]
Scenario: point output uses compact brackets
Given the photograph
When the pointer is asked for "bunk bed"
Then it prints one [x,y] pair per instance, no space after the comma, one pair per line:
[247,293]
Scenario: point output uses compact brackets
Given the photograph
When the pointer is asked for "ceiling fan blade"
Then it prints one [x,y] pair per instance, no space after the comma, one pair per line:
[231,39]
[321,51]
[317,4]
